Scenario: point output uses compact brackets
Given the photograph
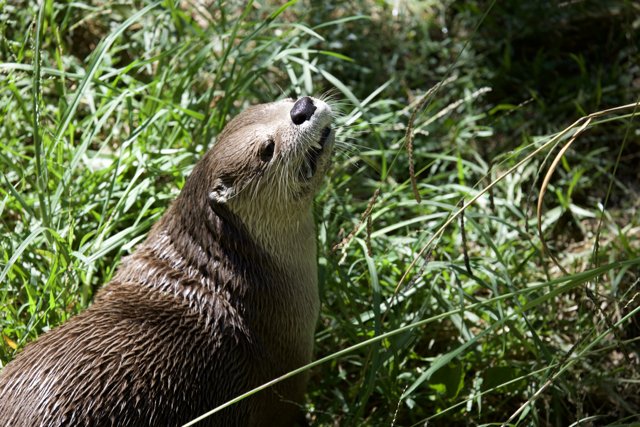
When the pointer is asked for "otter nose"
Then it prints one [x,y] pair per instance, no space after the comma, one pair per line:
[302,110]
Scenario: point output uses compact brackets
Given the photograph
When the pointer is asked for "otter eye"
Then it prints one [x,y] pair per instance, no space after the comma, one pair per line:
[266,151]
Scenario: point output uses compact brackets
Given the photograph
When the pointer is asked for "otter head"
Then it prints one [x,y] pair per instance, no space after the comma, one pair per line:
[268,163]
[276,153]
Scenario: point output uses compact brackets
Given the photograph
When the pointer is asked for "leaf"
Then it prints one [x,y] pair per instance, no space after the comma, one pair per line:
[498,375]
[444,359]
[448,380]
[10,342]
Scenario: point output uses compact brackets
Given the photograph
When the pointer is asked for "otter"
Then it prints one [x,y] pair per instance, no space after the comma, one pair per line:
[220,298]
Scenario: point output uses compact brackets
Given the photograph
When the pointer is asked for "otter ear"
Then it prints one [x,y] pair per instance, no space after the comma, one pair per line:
[222,191]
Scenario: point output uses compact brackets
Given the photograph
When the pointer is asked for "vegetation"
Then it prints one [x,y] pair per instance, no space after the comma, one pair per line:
[510,287]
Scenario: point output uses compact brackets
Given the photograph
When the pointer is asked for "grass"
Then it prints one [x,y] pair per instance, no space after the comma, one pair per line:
[431,313]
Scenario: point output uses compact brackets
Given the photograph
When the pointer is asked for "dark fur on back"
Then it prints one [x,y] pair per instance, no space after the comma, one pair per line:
[200,313]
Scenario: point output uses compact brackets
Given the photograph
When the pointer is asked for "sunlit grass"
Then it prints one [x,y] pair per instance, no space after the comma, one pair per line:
[449,310]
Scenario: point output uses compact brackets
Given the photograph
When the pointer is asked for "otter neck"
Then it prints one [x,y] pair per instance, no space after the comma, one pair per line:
[286,232]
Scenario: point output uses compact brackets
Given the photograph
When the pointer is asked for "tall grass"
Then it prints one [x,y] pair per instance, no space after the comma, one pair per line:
[502,297]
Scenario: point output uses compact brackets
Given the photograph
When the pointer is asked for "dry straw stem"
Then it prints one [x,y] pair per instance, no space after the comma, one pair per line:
[465,251]
[409,139]
[408,136]
[368,239]
[543,190]
[582,122]
[364,217]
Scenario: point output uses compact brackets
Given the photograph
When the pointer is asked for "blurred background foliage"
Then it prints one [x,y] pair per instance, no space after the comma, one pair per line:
[105,106]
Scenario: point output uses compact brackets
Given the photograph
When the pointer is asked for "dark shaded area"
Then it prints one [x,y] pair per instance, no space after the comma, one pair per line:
[585,53]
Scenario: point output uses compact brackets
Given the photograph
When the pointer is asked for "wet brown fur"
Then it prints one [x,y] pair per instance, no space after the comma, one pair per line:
[220,298]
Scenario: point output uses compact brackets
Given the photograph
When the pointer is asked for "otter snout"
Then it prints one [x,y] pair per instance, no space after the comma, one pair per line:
[302,110]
